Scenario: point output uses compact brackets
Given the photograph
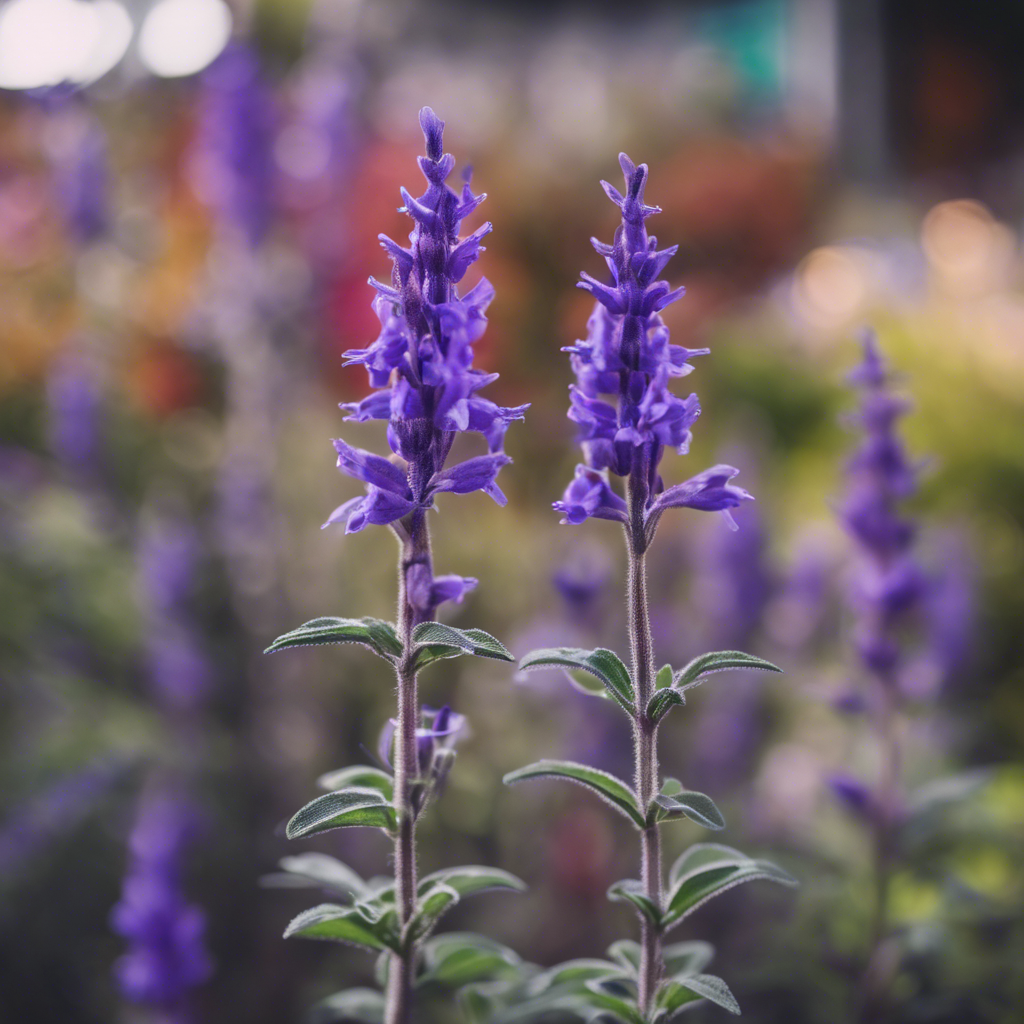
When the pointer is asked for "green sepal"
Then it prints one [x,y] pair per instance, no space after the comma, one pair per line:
[698,807]
[346,808]
[360,777]
[435,641]
[351,925]
[612,790]
[718,661]
[708,869]
[630,890]
[463,958]
[676,993]
[602,663]
[362,1005]
[662,702]
[378,635]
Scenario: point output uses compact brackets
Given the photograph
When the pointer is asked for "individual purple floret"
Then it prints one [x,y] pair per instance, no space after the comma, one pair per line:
[627,354]
[234,143]
[422,365]
[77,150]
[167,954]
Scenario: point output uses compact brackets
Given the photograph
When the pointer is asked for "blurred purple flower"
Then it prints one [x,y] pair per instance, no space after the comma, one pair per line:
[167,954]
[627,354]
[77,149]
[233,156]
[75,407]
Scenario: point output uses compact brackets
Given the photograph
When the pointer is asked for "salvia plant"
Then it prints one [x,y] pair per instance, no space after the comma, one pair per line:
[889,592]
[627,417]
[427,391]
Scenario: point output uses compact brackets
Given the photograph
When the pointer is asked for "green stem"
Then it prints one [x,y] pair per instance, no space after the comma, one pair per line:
[645,732]
[415,545]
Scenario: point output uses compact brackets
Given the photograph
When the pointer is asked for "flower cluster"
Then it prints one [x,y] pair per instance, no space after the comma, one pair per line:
[627,354]
[167,956]
[889,582]
[422,367]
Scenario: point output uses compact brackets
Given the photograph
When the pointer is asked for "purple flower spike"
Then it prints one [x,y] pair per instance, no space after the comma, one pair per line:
[853,794]
[627,355]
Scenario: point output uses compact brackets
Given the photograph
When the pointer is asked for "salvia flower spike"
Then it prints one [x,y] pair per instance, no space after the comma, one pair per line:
[427,390]
[627,416]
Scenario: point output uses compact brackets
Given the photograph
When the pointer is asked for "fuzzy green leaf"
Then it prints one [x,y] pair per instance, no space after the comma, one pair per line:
[664,677]
[612,790]
[430,908]
[632,891]
[662,702]
[602,663]
[594,994]
[707,870]
[685,958]
[318,869]
[363,1005]
[718,661]
[698,807]
[626,952]
[349,807]
[675,994]
[436,641]
[376,634]
[361,777]
[471,879]
[574,972]
[342,924]
[463,958]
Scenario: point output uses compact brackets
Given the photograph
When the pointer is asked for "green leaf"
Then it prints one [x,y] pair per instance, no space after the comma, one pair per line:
[471,879]
[355,1004]
[718,661]
[350,807]
[609,788]
[627,953]
[632,891]
[463,958]
[664,677]
[950,789]
[602,663]
[319,869]
[662,702]
[593,994]
[435,640]
[360,777]
[376,634]
[342,924]
[698,807]
[707,870]
[675,994]
[685,958]
[574,972]
[430,908]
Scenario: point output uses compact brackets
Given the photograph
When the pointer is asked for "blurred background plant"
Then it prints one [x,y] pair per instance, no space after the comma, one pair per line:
[185,236]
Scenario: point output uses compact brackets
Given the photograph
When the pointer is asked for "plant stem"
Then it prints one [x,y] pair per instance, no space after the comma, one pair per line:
[415,550]
[645,732]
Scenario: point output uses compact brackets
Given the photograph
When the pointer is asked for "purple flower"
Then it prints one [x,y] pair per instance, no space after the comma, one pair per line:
[853,794]
[234,141]
[77,148]
[627,355]
[589,495]
[888,583]
[75,406]
[167,953]
[422,366]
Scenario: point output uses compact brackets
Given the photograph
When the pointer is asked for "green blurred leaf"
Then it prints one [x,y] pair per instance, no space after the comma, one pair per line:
[698,807]
[358,777]
[376,634]
[602,663]
[627,953]
[718,661]
[609,788]
[349,807]
[632,891]
[463,958]
[574,972]
[355,1004]
[343,924]
[318,869]
[685,958]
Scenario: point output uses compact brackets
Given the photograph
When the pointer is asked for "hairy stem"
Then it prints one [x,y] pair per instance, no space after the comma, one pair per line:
[645,732]
[415,550]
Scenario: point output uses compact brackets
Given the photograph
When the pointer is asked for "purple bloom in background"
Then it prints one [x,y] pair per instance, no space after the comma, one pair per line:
[582,581]
[167,954]
[627,355]
[168,557]
[233,157]
[422,364]
[77,149]
[75,407]
[888,583]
